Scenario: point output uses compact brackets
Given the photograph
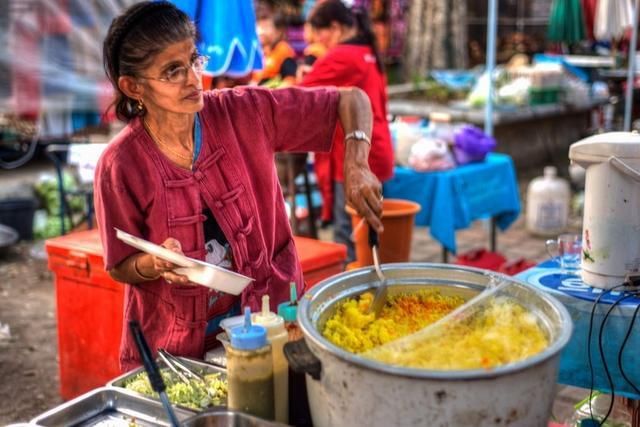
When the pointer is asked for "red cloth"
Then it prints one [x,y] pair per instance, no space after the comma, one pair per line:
[343,66]
[138,190]
[481,258]
[589,11]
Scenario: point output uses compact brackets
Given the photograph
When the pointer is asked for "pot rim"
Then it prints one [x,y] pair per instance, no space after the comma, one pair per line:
[313,335]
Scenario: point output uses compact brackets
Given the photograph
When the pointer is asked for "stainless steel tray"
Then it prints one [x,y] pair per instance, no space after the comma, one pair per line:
[227,418]
[108,407]
[196,365]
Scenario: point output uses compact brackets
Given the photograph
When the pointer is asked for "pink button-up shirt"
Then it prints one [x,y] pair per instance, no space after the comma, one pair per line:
[139,190]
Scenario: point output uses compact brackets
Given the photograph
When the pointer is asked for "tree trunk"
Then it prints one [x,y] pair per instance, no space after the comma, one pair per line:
[437,36]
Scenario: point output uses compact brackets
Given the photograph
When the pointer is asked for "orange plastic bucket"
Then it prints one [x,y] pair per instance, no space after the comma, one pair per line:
[395,243]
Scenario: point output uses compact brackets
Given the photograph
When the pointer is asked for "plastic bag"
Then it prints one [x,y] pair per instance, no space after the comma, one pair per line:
[472,145]
[430,154]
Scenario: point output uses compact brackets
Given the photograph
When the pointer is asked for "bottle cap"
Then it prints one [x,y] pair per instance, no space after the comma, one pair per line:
[289,310]
[267,318]
[248,336]
[550,172]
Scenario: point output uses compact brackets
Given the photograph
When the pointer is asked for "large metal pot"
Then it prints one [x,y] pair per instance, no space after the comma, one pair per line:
[348,390]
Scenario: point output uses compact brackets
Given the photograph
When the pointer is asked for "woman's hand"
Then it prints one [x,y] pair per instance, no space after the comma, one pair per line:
[362,189]
[142,267]
[363,192]
[165,268]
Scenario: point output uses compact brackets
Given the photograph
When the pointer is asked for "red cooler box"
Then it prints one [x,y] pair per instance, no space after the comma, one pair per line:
[319,259]
[90,304]
[89,310]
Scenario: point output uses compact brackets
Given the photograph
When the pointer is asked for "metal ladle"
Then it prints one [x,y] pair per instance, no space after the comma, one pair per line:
[380,297]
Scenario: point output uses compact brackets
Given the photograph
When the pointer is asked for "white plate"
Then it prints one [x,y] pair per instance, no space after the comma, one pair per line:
[197,271]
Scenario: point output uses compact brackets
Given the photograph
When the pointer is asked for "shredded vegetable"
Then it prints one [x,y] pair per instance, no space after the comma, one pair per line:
[192,395]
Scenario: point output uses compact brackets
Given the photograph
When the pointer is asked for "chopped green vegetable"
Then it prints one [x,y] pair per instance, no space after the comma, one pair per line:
[193,395]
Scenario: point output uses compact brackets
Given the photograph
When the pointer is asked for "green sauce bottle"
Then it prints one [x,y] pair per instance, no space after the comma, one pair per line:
[250,370]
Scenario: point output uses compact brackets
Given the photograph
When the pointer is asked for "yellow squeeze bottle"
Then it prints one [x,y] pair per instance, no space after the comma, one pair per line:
[278,337]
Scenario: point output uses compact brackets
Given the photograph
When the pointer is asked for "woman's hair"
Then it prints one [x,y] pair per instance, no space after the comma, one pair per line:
[323,14]
[134,38]
[279,20]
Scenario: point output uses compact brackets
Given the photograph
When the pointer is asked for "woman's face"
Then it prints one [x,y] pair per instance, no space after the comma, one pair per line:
[329,36]
[267,32]
[171,83]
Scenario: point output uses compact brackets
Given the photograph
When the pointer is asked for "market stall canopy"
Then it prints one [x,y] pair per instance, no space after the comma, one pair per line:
[227,31]
[613,18]
[566,22]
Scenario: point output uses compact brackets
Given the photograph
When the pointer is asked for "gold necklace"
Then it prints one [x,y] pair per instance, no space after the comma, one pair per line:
[167,146]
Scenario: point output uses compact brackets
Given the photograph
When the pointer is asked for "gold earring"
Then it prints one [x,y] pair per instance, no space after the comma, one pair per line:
[140,106]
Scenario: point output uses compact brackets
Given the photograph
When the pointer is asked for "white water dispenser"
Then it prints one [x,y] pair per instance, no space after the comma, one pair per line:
[611,226]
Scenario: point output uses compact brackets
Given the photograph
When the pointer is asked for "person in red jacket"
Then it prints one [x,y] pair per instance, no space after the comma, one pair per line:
[352,60]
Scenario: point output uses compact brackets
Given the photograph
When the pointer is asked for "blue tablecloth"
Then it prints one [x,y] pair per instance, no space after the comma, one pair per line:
[579,299]
[451,200]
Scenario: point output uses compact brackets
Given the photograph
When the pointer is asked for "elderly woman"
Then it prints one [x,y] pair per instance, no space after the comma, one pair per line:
[194,172]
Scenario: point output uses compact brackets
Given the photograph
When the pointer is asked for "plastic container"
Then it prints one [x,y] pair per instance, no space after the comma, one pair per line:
[548,200]
[398,217]
[289,313]
[18,214]
[440,127]
[250,370]
[299,412]
[591,413]
[406,134]
[278,337]
[544,96]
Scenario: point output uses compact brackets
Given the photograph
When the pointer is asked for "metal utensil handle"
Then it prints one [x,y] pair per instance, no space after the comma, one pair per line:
[374,244]
[624,168]
[167,406]
[188,371]
[155,379]
[373,237]
[376,263]
[171,366]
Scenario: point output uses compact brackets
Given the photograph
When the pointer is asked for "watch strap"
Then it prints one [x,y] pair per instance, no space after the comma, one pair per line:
[359,135]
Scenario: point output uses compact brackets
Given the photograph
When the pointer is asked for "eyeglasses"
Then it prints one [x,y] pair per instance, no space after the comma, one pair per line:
[180,74]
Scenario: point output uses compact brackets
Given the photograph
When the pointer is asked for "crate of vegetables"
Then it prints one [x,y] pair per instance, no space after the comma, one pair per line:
[192,395]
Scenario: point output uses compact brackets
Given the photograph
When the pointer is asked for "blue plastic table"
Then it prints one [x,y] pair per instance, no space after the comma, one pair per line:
[579,299]
[451,200]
